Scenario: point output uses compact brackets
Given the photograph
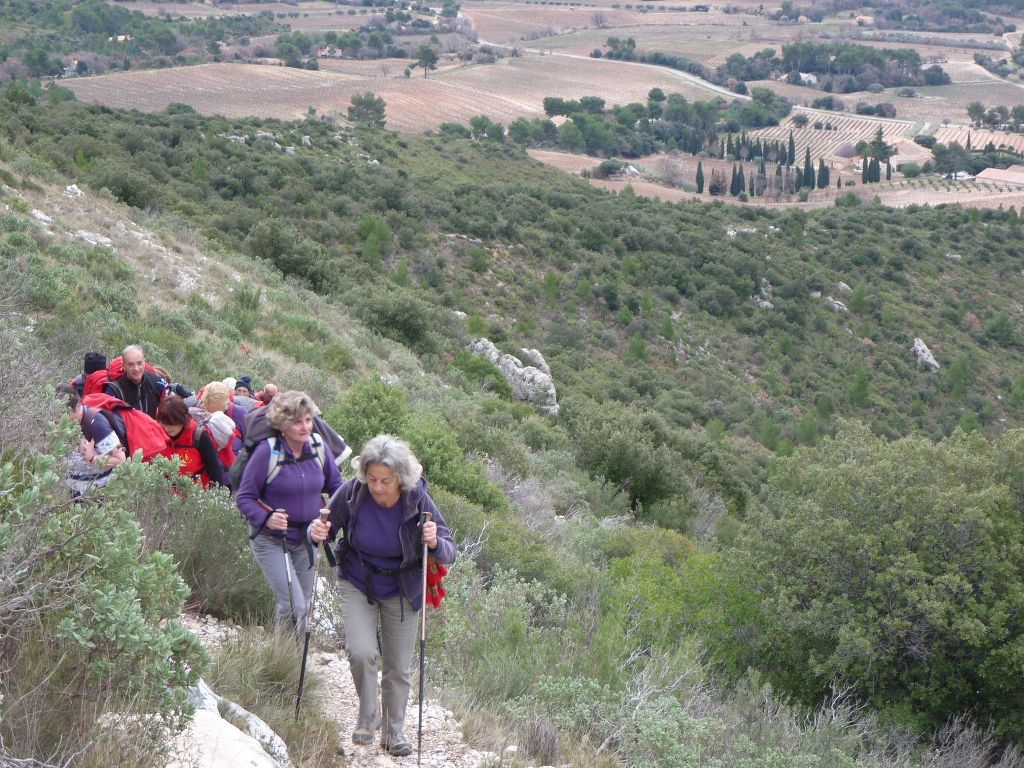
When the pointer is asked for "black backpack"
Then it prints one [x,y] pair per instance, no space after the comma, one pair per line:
[257,430]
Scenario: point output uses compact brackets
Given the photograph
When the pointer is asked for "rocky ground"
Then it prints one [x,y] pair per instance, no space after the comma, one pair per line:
[443,744]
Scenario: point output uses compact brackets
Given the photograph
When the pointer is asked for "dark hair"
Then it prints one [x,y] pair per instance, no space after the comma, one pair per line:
[172,410]
[245,381]
[69,394]
[94,361]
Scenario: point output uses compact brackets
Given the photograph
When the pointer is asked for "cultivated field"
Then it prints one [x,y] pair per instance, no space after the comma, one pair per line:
[202,10]
[980,138]
[504,91]
[849,129]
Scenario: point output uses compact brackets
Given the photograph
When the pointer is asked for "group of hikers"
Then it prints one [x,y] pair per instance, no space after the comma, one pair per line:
[273,450]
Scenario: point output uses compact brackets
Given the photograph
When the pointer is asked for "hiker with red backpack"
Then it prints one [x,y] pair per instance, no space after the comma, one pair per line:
[112,432]
[279,493]
[193,444]
[94,361]
[388,527]
[131,379]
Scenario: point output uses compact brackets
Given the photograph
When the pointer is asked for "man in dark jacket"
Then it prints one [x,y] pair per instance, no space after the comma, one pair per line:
[140,388]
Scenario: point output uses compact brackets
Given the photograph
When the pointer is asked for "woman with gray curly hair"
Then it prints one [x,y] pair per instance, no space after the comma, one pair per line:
[385,515]
[280,495]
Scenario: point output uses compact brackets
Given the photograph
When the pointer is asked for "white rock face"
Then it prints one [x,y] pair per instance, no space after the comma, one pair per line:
[93,239]
[72,190]
[41,217]
[924,355]
[843,289]
[529,383]
[836,305]
[534,356]
[212,742]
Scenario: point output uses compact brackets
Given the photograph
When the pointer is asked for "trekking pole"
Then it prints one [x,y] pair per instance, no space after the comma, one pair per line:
[324,514]
[288,573]
[423,641]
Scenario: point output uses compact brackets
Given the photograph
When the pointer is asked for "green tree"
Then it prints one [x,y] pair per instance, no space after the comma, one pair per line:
[896,568]
[426,57]
[823,174]
[859,391]
[367,109]
[807,181]
[636,349]
[791,151]
[700,177]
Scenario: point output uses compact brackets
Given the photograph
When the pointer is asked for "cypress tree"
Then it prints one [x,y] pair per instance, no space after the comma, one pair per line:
[741,182]
[865,164]
[822,174]
[808,180]
[760,167]
[732,183]
[750,186]
[700,177]
[888,171]
[876,170]
[839,182]
[791,153]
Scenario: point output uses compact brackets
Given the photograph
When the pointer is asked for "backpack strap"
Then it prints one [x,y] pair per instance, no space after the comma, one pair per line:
[278,458]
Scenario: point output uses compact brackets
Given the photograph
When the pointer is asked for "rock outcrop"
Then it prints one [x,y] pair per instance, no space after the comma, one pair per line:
[924,355]
[530,383]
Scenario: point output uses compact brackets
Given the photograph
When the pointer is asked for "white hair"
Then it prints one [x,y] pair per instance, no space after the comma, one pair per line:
[390,452]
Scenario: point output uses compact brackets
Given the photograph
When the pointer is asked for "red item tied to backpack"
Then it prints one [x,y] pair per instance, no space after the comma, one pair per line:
[435,582]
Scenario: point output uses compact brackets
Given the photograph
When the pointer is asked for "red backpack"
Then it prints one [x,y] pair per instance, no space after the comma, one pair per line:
[143,433]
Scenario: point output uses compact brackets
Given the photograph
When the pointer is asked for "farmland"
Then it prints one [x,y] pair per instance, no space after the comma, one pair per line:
[848,130]
[504,91]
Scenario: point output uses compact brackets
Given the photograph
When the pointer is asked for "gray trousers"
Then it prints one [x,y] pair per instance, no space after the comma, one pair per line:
[273,563]
[397,643]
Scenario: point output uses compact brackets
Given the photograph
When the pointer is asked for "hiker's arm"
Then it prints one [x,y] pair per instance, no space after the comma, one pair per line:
[339,513]
[445,550]
[211,461]
[251,487]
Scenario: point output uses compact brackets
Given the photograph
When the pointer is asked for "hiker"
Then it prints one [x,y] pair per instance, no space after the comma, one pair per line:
[94,361]
[192,444]
[380,558]
[216,397]
[245,395]
[103,444]
[267,394]
[172,387]
[280,511]
[142,389]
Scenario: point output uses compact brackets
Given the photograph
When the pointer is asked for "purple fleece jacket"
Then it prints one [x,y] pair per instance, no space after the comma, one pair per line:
[296,489]
[344,515]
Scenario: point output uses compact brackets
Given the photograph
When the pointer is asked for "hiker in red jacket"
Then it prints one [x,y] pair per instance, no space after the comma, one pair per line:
[192,444]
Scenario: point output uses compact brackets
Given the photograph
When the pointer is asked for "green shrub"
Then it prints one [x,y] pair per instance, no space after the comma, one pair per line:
[483,372]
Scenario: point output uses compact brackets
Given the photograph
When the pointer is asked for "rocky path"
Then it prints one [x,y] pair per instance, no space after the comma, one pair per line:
[443,744]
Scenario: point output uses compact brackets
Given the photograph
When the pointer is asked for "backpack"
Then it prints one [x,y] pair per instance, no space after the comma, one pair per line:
[220,426]
[257,430]
[142,432]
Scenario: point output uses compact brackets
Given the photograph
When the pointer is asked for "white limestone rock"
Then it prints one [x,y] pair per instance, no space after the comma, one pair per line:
[924,355]
[843,289]
[529,383]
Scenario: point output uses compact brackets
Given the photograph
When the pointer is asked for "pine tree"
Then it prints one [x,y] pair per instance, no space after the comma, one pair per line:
[700,177]
[888,171]
[808,179]
[791,153]
[822,174]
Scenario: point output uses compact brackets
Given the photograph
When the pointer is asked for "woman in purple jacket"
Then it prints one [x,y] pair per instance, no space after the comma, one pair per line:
[280,510]
[385,516]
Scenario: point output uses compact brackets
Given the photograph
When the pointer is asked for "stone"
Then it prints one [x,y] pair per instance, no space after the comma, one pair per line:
[41,217]
[93,239]
[72,190]
[843,289]
[307,142]
[835,305]
[529,383]
[924,355]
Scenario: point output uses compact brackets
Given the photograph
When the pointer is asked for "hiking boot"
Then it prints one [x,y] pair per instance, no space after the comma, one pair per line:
[363,734]
[396,745]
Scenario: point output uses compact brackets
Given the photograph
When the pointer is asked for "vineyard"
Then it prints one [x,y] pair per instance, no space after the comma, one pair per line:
[848,130]
[980,138]
[504,91]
